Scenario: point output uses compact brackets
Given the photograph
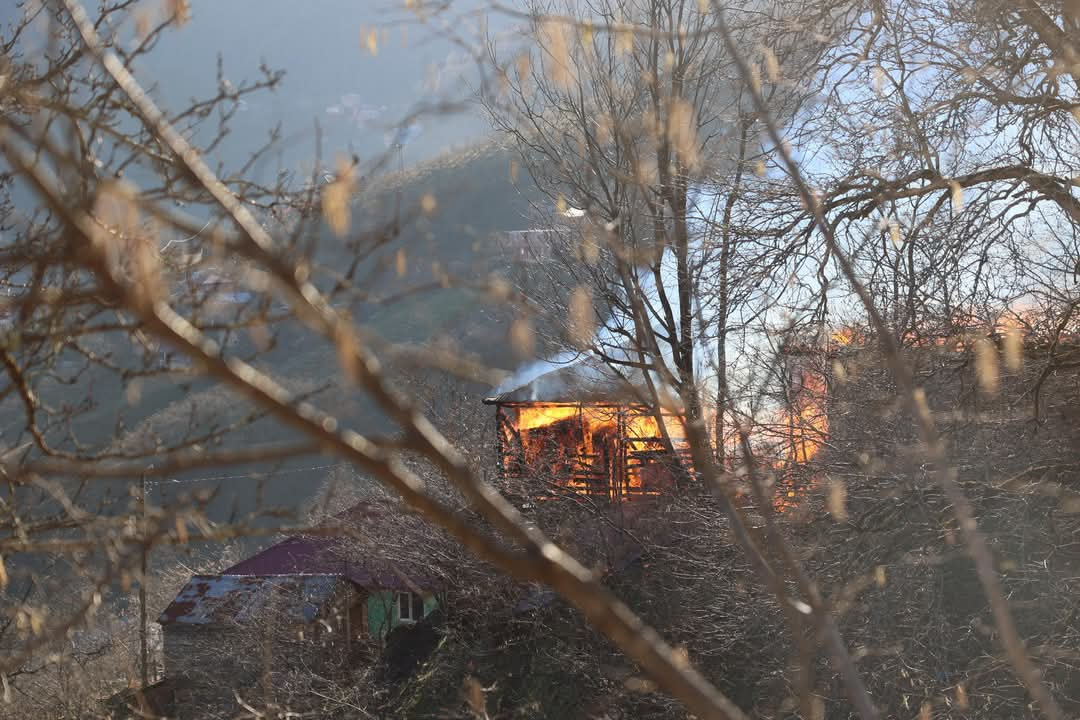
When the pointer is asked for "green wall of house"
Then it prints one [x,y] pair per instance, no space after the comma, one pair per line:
[382,611]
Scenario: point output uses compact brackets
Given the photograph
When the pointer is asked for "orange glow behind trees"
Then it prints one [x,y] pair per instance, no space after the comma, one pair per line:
[805,426]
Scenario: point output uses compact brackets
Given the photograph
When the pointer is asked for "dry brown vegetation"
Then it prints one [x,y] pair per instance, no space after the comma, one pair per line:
[839,240]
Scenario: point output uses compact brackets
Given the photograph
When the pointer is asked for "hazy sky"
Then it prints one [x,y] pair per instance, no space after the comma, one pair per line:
[323,47]
[332,77]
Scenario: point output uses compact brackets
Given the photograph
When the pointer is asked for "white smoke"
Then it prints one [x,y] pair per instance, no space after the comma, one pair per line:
[529,372]
[615,337]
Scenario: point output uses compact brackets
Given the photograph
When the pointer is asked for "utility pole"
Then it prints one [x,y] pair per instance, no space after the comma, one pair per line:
[348,613]
[142,583]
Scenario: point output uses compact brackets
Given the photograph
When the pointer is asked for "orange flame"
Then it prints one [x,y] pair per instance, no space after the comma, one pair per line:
[534,416]
[846,336]
[806,424]
[595,449]
[803,428]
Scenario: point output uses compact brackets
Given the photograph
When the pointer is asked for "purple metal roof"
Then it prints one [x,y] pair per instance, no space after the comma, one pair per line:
[331,554]
[293,556]
[324,555]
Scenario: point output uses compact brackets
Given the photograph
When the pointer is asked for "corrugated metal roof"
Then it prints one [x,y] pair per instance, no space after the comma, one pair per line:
[223,599]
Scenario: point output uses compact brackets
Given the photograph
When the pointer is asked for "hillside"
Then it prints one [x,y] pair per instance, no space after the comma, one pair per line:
[474,201]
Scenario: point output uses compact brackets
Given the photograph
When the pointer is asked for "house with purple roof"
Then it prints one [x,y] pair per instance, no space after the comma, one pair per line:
[386,593]
[322,600]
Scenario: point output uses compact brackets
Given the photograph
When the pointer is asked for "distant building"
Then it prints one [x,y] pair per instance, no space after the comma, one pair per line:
[538,245]
[529,246]
[225,633]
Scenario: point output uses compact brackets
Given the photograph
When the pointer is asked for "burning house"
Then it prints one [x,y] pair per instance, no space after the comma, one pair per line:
[584,429]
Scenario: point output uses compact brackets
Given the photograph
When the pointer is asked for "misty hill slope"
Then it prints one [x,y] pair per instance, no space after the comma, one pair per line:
[473,201]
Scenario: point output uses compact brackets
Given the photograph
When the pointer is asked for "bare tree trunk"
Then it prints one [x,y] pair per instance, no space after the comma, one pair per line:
[723,311]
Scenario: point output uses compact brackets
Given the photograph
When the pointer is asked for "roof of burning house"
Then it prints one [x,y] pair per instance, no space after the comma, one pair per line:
[585,380]
[224,599]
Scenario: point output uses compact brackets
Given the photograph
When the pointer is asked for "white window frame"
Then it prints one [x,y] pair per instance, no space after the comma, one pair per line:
[409,604]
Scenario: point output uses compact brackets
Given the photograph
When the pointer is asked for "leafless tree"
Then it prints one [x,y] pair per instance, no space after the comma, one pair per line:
[721,178]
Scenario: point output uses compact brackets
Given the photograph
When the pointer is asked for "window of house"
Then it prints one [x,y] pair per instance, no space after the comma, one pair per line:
[410,607]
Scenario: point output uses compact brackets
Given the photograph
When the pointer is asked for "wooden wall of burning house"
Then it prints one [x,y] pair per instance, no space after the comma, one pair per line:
[603,450]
